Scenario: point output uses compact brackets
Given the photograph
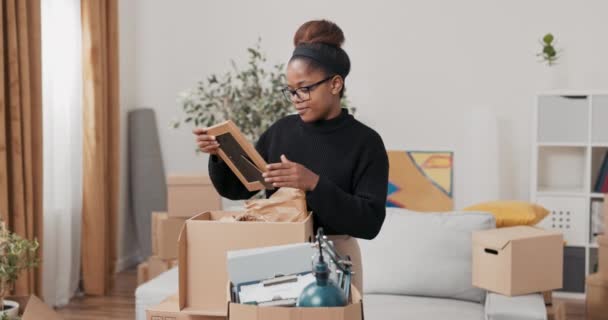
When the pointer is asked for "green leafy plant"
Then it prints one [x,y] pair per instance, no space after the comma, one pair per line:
[549,54]
[250,97]
[4,316]
[16,254]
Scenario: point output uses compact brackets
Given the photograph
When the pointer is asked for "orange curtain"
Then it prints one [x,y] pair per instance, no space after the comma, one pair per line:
[21,128]
[100,143]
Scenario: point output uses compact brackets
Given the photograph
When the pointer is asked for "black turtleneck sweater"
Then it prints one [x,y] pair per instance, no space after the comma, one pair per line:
[348,156]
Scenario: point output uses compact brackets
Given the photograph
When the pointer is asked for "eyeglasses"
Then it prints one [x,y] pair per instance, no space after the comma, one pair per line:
[303,93]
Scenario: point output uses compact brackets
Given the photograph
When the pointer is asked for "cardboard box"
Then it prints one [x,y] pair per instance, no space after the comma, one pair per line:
[169,310]
[142,273]
[240,155]
[352,311]
[190,195]
[165,231]
[597,297]
[157,266]
[32,308]
[203,244]
[517,260]
[602,241]
[605,214]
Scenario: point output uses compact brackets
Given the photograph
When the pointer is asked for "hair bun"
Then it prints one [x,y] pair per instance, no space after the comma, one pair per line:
[319,31]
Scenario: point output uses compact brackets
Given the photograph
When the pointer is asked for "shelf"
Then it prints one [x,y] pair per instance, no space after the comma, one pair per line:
[562,169]
[545,192]
[596,195]
[562,144]
[563,119]
[572,92]
[599,117]
[597,159]
[599,145]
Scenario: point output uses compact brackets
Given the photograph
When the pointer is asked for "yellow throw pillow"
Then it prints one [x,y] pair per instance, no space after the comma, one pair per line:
[510,213]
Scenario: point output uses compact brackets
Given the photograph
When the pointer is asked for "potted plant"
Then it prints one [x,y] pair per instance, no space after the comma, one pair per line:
[16,255]
[250,97]
[549,52]
[556,73]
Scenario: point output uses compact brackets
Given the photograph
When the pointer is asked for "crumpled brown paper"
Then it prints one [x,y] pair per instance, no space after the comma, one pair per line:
[285,205]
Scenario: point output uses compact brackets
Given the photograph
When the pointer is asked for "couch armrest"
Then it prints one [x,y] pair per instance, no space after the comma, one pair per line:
[526,307]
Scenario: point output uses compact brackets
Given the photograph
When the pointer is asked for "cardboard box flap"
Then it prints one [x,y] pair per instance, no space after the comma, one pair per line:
[188,179]
[36,310]
[498,239]
[183,266]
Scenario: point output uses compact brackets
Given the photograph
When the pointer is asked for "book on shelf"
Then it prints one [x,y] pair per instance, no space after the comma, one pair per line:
[601,182]
[597,220]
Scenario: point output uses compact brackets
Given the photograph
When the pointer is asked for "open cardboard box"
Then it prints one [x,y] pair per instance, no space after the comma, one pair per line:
[597,297]
[203,244]
[352,311]
[165,231]
[517,260]
[32,308]
[169,310]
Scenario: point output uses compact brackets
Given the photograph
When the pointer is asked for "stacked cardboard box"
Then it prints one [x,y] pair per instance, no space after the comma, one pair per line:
[597,297]
[520,260]
[186,197]
[597,284]
[153,267]
[517,260]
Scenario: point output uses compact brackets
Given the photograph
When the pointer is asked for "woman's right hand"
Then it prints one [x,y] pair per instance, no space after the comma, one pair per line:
[205,142]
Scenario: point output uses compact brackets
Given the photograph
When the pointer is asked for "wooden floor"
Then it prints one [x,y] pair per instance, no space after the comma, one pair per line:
[120,304]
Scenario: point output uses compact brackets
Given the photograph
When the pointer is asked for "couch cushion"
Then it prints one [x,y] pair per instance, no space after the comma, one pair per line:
[423,254]
[525,307]
[389,307]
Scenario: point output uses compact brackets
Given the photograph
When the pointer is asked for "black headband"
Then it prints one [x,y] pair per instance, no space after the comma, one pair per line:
[323,56]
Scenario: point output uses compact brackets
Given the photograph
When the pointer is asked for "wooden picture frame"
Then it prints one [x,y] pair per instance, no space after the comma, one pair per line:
[240,155]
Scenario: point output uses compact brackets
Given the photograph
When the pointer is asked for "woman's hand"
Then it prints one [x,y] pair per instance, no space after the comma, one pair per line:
[205,142]
[291,174]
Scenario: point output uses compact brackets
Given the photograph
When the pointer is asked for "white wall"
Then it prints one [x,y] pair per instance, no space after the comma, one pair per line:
[419,68]
[127,242]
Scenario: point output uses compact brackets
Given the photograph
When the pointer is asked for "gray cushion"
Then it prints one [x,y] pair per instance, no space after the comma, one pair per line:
[423,254]
[389,307]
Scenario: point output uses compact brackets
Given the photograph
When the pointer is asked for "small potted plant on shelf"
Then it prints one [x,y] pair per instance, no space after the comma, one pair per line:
[16,255]
[549,54]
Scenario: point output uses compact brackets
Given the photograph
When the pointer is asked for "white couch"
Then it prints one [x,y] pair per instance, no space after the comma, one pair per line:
[418,267]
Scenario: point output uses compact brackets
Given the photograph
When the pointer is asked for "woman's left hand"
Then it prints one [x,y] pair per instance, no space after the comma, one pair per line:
[291,174]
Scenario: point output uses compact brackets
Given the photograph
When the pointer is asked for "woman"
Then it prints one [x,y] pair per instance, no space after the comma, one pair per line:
[340,163]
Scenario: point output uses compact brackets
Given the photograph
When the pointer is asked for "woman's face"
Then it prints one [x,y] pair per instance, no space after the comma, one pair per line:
[322,101]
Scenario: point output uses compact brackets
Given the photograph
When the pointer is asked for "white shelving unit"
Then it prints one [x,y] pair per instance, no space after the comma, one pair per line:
[570,139]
